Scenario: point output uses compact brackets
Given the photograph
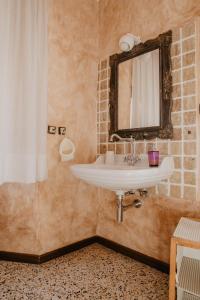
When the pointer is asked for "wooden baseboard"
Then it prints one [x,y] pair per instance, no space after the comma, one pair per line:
[70,248]
[19,257]
[38,259]
[147,260]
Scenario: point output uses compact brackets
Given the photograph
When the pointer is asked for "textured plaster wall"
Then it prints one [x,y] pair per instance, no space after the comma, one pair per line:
[19,224]
[67,206]
[149,228]
[62,210]
[144,18]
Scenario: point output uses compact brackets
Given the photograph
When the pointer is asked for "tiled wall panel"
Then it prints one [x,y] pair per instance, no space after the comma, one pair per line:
[183,146]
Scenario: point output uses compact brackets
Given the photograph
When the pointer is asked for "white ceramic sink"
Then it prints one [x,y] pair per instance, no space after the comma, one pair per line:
[120,177]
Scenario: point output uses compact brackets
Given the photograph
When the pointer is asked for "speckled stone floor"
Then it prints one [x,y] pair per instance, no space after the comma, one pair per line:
[92,273]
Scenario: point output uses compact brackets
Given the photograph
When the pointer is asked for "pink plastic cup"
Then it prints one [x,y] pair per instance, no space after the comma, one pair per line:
[153,157]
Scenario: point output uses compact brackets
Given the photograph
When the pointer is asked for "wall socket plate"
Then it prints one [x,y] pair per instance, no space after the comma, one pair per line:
[62,130]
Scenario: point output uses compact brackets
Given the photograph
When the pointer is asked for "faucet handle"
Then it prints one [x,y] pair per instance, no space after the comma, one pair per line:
[138,157]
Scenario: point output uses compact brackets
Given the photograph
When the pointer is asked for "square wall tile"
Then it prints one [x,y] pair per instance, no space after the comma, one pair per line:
[188,59]
[176,63]
[176,177]
[188,30]
[189,193]
[176,119]
[177,162]
[104,95]
[104,64]
[189,88]
[175,49]
[175,35]
[177,134]
[189,178]
[189,163]
[139,148]
[188,45]
[176,91]
[190,148]
[175,191]
[176,105]
[175,148]
[176,76]
[103,148]
[111,146]
[189,133]
[163,189]
[119,148]
[189,103]
[103,74]
[189,73]
[189,118]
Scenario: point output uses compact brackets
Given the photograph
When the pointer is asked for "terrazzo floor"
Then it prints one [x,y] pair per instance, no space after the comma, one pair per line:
[93,273]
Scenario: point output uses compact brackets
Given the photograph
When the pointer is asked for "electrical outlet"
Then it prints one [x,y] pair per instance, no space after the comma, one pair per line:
[61,130]
[51,129]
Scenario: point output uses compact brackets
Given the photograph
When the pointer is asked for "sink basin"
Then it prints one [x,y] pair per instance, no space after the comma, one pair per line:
[120,177]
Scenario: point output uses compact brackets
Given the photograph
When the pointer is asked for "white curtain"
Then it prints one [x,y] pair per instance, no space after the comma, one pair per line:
[145,103]
[23,90]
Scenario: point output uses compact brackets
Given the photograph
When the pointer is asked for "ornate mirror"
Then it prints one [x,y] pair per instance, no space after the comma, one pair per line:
[140,90]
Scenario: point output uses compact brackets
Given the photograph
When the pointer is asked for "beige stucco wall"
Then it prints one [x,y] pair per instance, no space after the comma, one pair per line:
[145,18]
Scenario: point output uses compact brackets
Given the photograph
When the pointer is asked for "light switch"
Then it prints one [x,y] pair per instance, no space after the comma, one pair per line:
[51,129]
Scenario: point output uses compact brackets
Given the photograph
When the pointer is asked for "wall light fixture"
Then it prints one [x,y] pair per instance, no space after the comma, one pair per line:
[128,41]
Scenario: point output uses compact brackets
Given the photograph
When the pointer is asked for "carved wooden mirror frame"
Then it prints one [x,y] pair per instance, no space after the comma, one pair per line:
[164,130]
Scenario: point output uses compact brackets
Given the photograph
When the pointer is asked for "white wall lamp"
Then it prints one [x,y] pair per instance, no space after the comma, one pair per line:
[128,41]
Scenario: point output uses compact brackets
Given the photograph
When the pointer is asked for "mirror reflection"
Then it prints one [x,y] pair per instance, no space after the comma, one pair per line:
[139,91]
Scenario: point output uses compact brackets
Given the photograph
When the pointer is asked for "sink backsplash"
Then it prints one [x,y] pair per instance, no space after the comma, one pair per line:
[183,146]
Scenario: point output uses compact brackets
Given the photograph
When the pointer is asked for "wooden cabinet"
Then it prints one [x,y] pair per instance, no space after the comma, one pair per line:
[184,283]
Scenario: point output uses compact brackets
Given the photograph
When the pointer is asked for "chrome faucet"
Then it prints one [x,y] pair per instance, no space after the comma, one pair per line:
[131,159]
[115,135]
